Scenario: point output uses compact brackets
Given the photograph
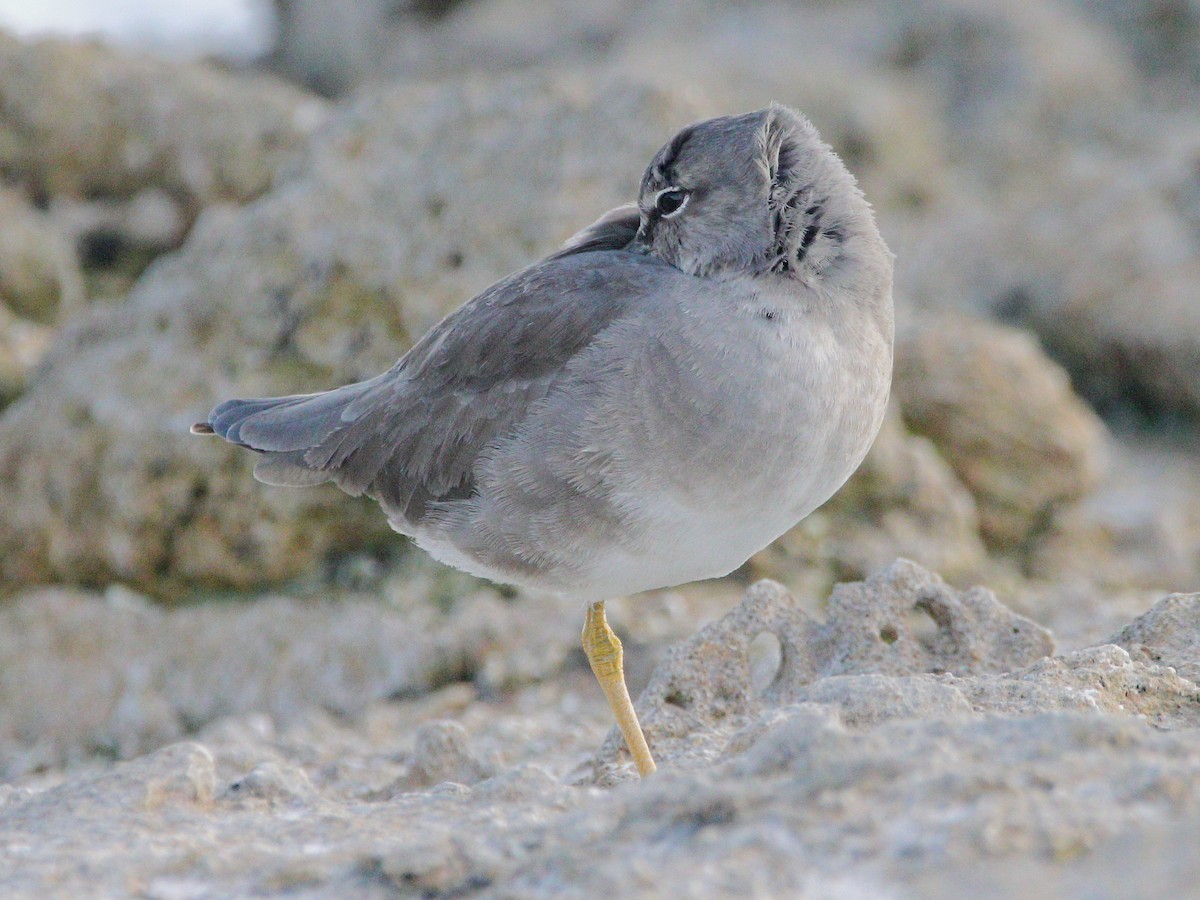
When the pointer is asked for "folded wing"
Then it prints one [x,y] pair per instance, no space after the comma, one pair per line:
[413,435]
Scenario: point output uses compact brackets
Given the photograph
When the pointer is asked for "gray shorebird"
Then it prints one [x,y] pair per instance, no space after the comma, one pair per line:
[681,383]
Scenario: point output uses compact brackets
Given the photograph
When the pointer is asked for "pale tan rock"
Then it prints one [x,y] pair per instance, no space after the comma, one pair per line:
[1164,38]
[85,674]
[270,784]
[1138,531]
[442,753]
[85,120]
[704,689]
[39,271]
[118,237]
[1168,634]
[864,779]
[1122,260]
[22,345]
[1005,418]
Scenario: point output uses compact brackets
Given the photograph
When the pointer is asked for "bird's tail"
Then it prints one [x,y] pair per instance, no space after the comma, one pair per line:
[284,430]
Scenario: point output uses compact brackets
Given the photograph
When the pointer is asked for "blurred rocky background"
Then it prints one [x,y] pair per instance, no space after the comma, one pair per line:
[284,198]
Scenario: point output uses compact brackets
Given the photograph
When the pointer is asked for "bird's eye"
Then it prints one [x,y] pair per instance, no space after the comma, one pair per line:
[670,202]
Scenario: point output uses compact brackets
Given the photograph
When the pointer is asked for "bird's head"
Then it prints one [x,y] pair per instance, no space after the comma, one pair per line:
[750,195]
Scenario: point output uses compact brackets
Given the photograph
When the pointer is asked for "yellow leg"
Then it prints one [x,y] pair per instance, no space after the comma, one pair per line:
[603,650]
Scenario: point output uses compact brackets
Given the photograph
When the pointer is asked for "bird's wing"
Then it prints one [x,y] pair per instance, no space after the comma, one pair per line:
[413,435]
[612,231]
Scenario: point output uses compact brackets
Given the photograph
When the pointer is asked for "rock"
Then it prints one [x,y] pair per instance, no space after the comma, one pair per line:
[1080,612]
[88,121]
[22,345]
[1103,678]
[39,273]
[123,152]
[1168,634]
[1163,35]
[886,129]
[442,754]
[1005,418]
[116,675]
[856,772]
[1125,321]
[1139,530]
[271,783]
[119,237]
[327,46]
[703,690]
[862,701]
[325,280]
[179,776]
[1099,269]
[1095,250]
[334,50]
[1163,869]
[868,629]
[1012,82]
[1099,254]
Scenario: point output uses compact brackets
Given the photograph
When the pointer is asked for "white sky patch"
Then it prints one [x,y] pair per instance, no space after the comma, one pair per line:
[235,29]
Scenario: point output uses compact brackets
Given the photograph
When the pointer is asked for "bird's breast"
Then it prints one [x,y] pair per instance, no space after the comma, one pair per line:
[775,412]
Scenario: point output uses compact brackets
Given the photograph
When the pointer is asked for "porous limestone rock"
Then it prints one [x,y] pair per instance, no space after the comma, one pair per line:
[902,621]
[1168,634]
[1004,416]
[441,753]
[857,772]
[1163,35]
[85,674]
[85,120]
[39,272]
[1138,530]
[22,344]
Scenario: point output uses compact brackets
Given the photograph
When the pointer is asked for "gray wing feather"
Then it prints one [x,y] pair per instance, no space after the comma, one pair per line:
[414,434]
[288,470]
[612,231]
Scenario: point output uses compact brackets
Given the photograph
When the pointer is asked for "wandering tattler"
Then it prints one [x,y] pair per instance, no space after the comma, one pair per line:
[676,387]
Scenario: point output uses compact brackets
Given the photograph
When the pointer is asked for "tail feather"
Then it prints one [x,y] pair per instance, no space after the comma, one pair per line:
[289,470]
[284,430]
[228,418]
[282,423]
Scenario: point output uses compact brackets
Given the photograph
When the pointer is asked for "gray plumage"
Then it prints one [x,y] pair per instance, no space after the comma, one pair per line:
[682,382]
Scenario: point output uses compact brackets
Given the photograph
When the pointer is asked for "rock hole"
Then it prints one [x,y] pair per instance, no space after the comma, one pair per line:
[766,658]
[922,626]
[676,697]
[888,634]
[101,249]
[435,206]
